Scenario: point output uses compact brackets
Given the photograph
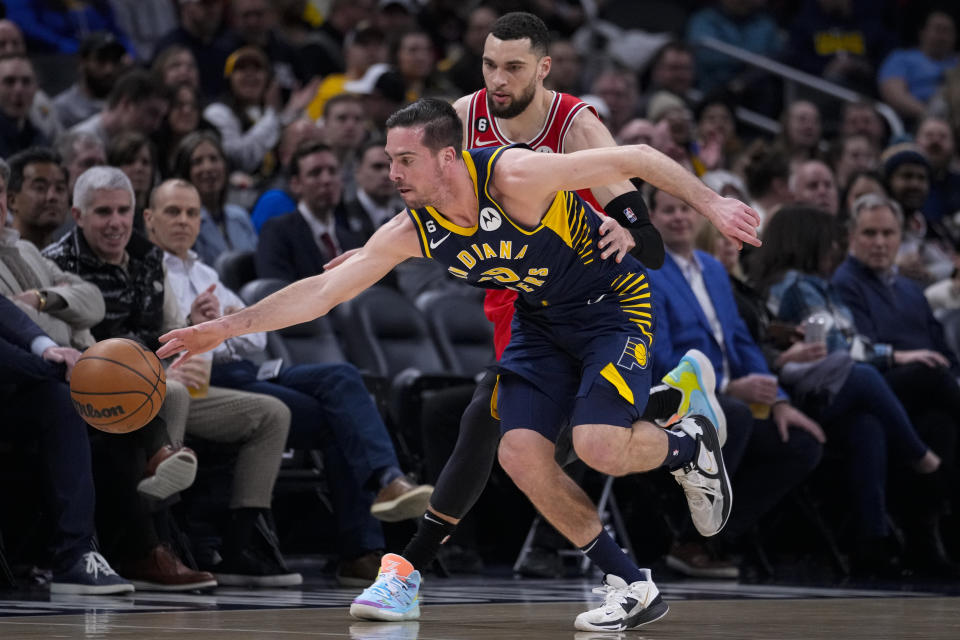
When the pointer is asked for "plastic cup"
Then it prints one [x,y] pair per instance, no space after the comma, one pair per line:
[203,364]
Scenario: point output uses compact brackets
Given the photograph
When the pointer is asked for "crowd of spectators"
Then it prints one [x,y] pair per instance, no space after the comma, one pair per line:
[171,134]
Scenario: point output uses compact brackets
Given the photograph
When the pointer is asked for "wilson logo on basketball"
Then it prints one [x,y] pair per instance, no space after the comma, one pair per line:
[89,411]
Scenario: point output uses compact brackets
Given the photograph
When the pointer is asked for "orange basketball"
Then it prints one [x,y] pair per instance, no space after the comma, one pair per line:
[118,385]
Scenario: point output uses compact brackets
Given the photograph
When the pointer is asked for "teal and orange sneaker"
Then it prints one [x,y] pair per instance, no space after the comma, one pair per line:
[696,380]
[394,595]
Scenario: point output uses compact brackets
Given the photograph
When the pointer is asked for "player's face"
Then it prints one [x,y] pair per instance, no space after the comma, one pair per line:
[107,223]
[676,222]
[512,74]
[876,238]
[414,168]
[173,221]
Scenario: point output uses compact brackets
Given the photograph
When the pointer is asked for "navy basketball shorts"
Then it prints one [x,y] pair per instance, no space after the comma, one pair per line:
[589,364]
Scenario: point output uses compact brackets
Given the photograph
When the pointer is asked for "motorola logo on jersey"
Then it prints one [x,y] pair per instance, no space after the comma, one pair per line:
[544,149]
[490,219]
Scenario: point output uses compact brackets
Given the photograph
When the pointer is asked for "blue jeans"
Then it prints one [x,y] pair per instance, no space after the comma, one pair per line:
[331,411]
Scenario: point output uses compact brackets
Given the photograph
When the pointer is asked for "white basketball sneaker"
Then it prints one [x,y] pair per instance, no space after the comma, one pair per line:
[704,479]
[625,606]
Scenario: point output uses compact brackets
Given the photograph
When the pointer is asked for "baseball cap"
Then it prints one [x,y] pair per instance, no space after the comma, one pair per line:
[245,54]
[102,44]
[381,79]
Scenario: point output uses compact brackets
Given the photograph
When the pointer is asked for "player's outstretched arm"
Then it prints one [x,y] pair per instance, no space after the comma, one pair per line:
[305,299]
[530,179]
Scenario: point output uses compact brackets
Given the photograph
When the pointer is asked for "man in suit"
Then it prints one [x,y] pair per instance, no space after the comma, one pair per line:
[298,244]
[33,370]
[696,310]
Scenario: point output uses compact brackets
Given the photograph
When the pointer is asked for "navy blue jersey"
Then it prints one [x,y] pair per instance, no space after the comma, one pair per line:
[555,264]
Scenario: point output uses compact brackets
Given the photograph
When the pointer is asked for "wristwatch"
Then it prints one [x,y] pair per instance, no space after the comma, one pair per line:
[42,297]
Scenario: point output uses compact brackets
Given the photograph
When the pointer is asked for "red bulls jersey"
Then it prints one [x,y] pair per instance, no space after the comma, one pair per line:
[482,131]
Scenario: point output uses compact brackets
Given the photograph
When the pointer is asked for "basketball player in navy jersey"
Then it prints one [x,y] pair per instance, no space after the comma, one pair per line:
[498,218]
[514,106]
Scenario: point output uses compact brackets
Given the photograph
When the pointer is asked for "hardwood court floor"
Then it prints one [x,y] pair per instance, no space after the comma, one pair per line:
[853,619]
[488,609]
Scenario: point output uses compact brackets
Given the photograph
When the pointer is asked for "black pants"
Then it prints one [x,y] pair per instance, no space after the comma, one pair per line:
[762,468]
[931,397]
[124,519]
[44,410]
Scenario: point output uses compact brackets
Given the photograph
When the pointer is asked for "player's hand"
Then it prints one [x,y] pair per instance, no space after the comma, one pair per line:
[190,341]
[614,239]
[786,416]
[755,388]
[206,306]
[735,220]
[65,355]
[340,259]
[930,358]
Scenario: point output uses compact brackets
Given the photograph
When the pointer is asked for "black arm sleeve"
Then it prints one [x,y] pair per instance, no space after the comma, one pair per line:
[631,212]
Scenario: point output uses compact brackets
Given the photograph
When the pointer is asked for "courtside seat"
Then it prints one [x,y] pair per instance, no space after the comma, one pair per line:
[313,341]
[385,333]
[235,268]
[462,333]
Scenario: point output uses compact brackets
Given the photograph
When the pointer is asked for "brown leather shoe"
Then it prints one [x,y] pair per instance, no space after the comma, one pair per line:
[695,560]
[161,570]
[401,500]
[171,469]
[359,572]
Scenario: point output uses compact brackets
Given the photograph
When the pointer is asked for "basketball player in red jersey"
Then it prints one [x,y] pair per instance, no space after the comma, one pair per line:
[515,107]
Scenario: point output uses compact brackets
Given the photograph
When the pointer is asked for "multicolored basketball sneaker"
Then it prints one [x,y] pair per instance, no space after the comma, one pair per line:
[694,377]
[395,595]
